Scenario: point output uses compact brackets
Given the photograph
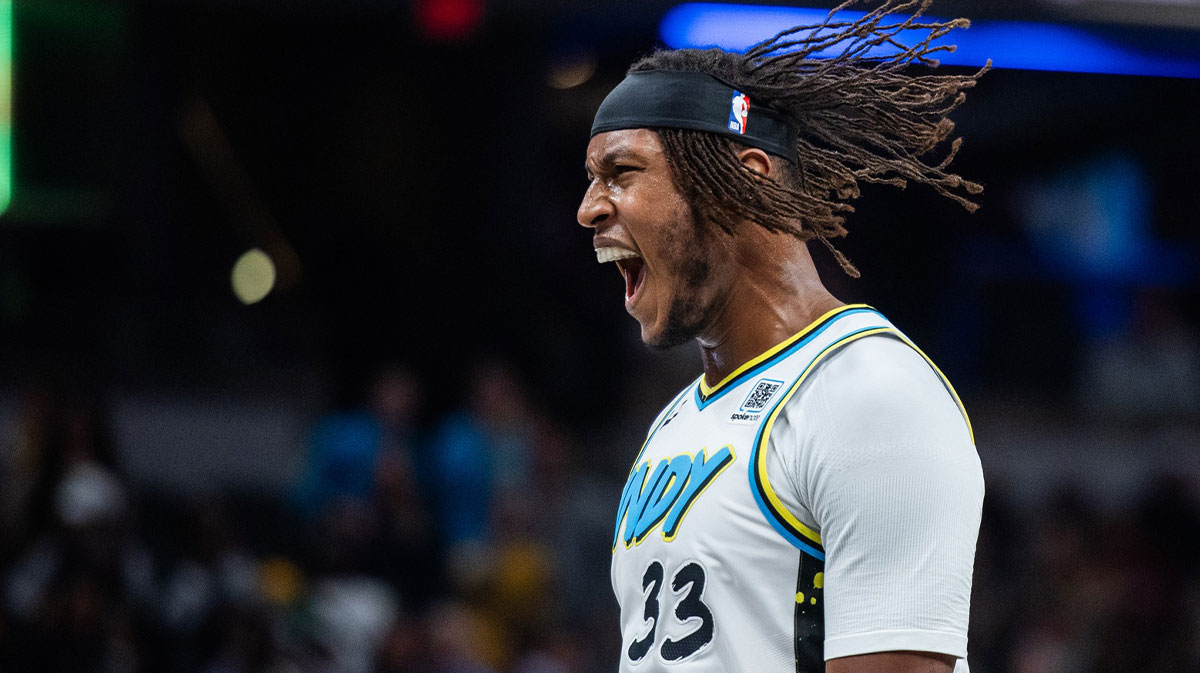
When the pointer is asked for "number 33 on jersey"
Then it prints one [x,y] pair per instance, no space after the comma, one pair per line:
[711,571]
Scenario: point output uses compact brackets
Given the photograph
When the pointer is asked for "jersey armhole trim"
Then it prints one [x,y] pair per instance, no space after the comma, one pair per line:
[783,521]
[945,381]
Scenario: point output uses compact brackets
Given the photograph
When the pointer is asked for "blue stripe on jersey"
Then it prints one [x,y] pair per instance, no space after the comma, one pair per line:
[701,402]
[787,534]
[756,486]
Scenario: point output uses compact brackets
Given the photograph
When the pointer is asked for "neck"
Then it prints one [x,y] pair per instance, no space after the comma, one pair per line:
[773,297]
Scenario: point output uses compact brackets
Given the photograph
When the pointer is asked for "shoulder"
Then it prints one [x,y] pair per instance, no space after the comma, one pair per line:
[881,369]
[879,394]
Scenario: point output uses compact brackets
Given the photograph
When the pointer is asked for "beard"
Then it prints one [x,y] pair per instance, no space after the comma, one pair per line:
[688,311]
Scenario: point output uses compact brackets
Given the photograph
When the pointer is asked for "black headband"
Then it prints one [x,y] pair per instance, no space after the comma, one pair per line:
[697,101]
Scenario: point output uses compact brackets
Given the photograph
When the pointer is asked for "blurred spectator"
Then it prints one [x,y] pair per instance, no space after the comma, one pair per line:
[1087,586]
[561,652]
[244,644]
[1149,367]
[481,457]
[213,577]
[25,470]
[353,616]
[404,548]
[459,641]
[405,649]
[346,445]
[55,437]
[357,586]
[77,588]
[362,491]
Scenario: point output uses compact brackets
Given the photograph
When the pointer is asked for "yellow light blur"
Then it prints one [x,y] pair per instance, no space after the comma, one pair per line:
[253,276]
[571,71]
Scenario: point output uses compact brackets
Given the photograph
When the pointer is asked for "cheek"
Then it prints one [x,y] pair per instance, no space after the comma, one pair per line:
[693,256]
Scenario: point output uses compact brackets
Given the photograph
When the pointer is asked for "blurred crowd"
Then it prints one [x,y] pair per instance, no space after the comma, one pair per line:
[1070,587]
[469,545]
[477,542]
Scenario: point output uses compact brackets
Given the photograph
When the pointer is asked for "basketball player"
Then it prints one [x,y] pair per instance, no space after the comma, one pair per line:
[812,501]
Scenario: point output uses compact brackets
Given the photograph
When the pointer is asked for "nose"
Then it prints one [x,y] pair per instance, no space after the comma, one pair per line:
[595,207]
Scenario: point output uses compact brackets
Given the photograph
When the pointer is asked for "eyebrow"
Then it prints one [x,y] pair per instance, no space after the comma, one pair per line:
[612,156]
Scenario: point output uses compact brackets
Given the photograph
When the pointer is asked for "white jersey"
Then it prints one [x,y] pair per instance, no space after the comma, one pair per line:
[823,501]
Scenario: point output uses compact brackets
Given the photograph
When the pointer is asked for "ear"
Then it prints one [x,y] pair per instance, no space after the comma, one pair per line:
[756,160]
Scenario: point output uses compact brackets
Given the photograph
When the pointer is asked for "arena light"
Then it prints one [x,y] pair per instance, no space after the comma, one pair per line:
[1010,44]
[571,70]
[449,20]
[253,276]
[6,63]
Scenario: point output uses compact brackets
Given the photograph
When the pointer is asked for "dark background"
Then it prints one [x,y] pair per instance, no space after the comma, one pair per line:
[413,171]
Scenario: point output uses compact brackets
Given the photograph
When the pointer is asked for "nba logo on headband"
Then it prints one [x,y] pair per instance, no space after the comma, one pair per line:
[738,112]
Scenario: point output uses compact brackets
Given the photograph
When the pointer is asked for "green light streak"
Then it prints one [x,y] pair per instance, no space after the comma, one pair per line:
[6,62]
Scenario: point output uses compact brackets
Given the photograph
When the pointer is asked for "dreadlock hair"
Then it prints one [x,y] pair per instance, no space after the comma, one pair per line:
[861,118]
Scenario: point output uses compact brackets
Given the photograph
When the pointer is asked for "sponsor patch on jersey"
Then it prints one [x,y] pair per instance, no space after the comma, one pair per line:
[757,401]
[739,110]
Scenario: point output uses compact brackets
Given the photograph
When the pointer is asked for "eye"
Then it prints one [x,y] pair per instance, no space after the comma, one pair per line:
[624,168]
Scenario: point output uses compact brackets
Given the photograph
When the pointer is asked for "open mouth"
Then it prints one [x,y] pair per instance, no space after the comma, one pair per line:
[633,270]
[631,266]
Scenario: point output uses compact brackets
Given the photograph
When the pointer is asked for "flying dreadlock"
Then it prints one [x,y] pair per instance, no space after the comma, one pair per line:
[861,118]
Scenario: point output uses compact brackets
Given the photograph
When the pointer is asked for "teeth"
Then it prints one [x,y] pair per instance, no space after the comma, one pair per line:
[613,254]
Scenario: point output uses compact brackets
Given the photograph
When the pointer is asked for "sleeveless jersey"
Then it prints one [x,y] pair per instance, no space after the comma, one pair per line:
[712,571]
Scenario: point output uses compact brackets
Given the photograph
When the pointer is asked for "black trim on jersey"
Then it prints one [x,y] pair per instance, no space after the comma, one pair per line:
[809,627]
[802,537]
[783,352]
[686,505]
[638,539]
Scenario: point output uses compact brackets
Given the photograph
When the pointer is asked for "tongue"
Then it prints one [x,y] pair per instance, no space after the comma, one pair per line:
[633,273]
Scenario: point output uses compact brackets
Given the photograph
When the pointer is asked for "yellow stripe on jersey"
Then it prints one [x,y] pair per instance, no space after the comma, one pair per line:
[778,509]
[945,382]
[629,483]
[706,391]
[669,535]
[776,506]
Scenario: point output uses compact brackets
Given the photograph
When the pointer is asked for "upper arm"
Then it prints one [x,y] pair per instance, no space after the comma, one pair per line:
[891,478]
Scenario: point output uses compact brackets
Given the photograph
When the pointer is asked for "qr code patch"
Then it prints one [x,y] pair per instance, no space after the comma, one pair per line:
[762,393]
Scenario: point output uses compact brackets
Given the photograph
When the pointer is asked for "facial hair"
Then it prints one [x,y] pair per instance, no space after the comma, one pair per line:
[687,314]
